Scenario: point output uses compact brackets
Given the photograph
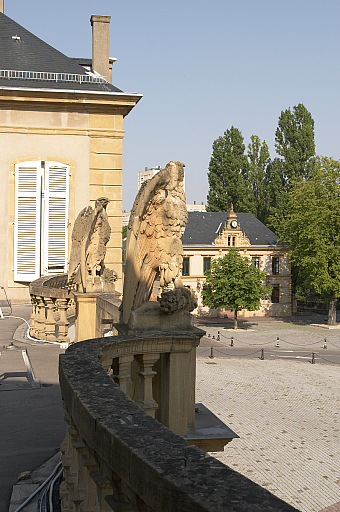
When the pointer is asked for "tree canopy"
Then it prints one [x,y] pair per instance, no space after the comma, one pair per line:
[251,181]
[232,281]
[256,177]
[227,169]
[294,141]
[312,230]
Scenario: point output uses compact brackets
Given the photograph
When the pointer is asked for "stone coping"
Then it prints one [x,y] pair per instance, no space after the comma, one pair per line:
[46,287]
[156,464]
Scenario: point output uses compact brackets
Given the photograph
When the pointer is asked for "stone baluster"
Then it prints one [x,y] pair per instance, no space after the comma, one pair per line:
[123,378]
[50,323]
[87,464]
[33,316]
[78,493]
[104,490]
[69,458]
[62,305]
[40,318]
[119,501]
[145,400]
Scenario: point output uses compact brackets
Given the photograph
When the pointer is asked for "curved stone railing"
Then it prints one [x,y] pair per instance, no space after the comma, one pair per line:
[117,457]
[52,305]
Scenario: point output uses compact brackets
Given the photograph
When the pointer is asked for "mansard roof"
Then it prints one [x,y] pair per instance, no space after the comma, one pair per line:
[22,51]
[203,228]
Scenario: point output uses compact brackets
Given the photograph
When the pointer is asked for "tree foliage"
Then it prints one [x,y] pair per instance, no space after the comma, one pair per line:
[294,141]
[226,176]
[232,281]
[277,194]
[312,230]
[253,182]
[256,176]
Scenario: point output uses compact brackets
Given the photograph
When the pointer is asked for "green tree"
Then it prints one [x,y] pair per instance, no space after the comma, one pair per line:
[294,141]
[232,281]
[259,159]
[312,231]
[277,194]
[226,176]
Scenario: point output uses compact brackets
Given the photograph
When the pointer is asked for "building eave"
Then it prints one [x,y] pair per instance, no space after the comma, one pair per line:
[72,99]
[41,90]
[224,247]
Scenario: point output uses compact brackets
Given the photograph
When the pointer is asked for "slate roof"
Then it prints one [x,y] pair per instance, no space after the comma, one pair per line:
[29,53]
[203,227]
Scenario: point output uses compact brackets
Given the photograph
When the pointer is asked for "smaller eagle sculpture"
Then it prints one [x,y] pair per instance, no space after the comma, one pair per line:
[91,233]
[153,247]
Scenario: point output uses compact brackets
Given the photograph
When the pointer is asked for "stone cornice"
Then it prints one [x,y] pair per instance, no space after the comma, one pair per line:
[61,100]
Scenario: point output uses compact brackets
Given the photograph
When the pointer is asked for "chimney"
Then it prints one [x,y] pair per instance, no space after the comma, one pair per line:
[2,6]
[100,44]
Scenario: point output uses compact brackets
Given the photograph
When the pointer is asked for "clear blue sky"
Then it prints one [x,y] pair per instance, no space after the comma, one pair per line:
[203,66]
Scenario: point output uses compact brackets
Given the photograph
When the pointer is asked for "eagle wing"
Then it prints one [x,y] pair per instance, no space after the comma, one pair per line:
[80,233]
[156,224]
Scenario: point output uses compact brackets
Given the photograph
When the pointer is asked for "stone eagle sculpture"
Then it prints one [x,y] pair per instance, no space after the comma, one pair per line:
[91,233]
[153,247]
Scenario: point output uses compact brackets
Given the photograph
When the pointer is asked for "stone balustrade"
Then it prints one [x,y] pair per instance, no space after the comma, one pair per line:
[52,306]
[117,457]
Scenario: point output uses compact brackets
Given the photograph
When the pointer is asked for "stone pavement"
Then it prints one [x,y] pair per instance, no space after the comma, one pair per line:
[287,416]
[294,332]
[286,412]
[32,420]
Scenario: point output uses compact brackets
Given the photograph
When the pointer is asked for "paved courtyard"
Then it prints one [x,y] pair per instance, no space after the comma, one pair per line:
[287,416]
[285,411]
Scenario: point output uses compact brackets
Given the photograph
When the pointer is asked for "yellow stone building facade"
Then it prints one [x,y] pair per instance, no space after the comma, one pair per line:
[61,136]
[210,235]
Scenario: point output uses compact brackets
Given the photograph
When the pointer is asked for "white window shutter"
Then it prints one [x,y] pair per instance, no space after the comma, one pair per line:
[27,221]
[55,218]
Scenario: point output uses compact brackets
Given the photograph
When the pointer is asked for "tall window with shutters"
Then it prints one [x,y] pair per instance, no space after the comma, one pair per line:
[41,216]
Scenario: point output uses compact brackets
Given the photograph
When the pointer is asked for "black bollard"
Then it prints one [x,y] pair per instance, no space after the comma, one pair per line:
[211,353]
[232,341]
[262,354]
[313,358]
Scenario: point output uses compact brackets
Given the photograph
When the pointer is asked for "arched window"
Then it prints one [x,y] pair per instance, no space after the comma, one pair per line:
[41,216]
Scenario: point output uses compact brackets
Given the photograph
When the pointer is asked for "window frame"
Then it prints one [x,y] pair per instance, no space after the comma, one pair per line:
[186,262]
[256,261]
[205,260]
[275,265]
[275,294]
[42,189]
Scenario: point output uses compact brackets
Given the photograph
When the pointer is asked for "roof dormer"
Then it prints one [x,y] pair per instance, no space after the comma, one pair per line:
[232,234]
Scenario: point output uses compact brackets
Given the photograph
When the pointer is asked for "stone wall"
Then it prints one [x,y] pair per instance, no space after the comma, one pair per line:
[117,457]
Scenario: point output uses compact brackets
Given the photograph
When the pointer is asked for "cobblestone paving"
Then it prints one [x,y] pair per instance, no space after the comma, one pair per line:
[291,335]
[287,416]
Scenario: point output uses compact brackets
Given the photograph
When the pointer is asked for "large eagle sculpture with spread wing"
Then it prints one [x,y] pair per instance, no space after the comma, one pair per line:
[153,247]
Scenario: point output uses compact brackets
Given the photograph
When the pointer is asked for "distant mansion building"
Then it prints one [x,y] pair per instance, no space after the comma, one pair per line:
[210,235]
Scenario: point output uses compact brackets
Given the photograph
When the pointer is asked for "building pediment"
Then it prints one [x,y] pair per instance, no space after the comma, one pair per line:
[232,237]
[232,234]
